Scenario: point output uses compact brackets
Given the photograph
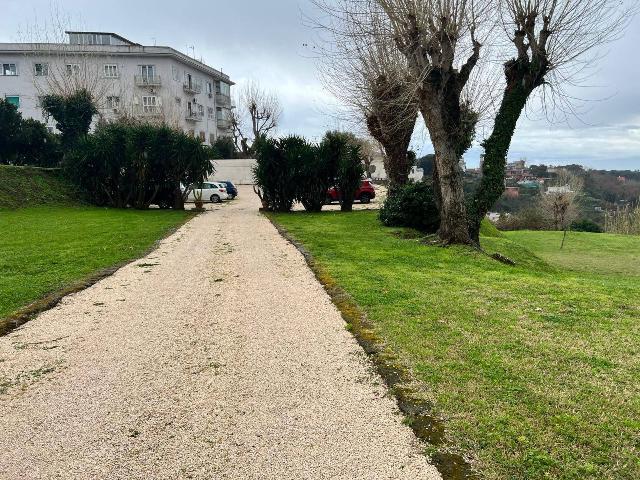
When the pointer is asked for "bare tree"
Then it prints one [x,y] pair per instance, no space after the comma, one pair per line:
[559,203]
[440,41]
[258,108]
[66,68]
[368,151]
[361,67]
[554,41]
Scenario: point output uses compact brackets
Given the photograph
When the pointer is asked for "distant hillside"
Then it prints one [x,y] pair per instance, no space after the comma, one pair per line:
[29,187]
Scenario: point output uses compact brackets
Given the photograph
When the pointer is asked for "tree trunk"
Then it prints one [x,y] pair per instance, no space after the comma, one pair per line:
[496,149]
[178,198]
[523,76]
[453,215]
[441,116]
[397,166]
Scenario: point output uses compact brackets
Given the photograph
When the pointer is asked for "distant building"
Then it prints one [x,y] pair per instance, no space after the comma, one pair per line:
[493,216]
[378,171]
[560,189]
[416,174]
[516,170]
[153,84]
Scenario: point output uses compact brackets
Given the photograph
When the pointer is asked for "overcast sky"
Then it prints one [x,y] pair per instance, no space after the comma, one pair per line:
[264,40]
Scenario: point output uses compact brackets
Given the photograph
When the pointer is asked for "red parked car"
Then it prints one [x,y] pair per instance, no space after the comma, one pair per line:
[364,194]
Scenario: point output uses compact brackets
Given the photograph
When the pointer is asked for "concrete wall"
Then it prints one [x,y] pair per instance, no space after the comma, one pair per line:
[239,171]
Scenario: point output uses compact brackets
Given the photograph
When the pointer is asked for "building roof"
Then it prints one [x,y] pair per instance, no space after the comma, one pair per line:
[124,50]
[119,37]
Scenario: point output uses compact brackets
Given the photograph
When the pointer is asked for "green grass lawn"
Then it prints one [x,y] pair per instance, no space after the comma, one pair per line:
[584,252]
[535,368]
[44,249]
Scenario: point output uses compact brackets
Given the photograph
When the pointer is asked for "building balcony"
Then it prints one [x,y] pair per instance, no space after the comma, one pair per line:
[192,87]
[193,116]
[223,100]
[148,81]
[224,123]
[148,111]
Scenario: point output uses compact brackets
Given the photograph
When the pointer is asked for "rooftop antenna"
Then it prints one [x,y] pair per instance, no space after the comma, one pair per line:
[193,51]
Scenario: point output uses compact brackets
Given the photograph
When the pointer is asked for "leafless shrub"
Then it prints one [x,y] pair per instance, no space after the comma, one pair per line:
[258,113]
[623,221]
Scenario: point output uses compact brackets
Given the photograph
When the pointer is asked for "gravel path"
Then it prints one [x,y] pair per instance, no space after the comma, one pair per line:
[218,356]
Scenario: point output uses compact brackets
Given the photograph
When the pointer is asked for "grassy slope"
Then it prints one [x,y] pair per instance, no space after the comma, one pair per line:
[24,186]
[535,368]
[584,252]
[53,243]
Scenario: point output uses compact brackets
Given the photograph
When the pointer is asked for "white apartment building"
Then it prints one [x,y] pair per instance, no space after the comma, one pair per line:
[157,84]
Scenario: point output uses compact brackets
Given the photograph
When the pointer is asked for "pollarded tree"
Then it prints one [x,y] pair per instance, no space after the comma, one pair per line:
[73,114]
[361,67]
[553,42]
[439,39]
[260,109]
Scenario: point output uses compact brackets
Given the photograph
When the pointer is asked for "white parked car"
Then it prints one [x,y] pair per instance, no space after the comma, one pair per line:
[213,192]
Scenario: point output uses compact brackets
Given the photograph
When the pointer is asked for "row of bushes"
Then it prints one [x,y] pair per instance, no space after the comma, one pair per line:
[291,169]
[26,141]
[121,164]
[132,164]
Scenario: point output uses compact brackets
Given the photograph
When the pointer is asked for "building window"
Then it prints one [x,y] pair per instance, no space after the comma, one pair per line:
[148,71]
[202,137]
[13,100]
[223,88]
[210,113]
[111,71]
[149,104]
[219,113]
[72,68]
[209,88]
[113,102]
[212,138]
[41,69]
[9,69]
[201,110]
[192,133]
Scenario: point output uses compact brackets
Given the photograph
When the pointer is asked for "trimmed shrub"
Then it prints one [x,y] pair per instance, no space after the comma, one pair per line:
[10,120]
[586,226]
[412,205]
[276,171]
[342,154]
[126,164]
